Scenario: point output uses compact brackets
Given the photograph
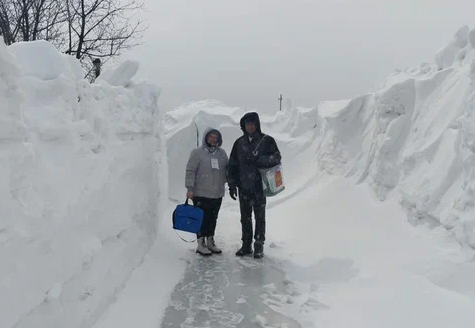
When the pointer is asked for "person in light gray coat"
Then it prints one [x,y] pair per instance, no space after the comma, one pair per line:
[204,181]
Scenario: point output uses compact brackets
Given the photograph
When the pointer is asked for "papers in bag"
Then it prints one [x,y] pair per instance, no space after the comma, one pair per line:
[272,180]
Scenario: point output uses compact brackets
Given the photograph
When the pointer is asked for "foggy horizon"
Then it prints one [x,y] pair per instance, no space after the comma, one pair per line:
[246,54]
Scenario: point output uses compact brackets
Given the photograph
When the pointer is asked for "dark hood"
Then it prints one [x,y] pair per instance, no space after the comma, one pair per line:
[250,117]
[208,131]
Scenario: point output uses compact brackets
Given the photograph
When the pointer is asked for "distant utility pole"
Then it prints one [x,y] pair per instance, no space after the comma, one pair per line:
[280,99]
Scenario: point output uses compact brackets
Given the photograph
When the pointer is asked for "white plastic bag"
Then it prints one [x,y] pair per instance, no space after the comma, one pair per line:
[272,180]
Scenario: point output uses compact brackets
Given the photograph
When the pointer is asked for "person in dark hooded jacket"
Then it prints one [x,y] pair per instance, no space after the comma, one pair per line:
[250,152]
[205,180]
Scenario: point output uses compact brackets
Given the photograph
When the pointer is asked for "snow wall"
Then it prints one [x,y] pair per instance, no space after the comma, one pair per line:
[414,138]
[294,130]
[80,169]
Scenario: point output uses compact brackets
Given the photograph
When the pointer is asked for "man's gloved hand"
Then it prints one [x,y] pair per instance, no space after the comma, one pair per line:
[233,192]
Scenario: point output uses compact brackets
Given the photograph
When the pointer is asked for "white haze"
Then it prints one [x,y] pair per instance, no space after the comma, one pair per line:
[245,53]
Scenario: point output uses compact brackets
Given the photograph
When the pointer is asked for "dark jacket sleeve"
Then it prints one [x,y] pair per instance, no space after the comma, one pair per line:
[233,167]
[270,155]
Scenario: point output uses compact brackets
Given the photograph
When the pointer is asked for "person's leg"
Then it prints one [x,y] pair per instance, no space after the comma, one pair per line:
[259,208]
[215,205]
[260,233]
[203,203]
[246,224]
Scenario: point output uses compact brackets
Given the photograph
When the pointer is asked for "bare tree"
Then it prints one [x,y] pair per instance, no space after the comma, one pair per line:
[11,16]
[5,31]
[86,29]
[102,28]
[49,21]
[29,20]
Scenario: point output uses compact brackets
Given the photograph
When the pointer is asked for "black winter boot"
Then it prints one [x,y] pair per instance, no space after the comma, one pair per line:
[258,250]
[246,249]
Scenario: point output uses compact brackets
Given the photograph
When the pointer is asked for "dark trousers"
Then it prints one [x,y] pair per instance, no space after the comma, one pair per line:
[249,202]
[210,207]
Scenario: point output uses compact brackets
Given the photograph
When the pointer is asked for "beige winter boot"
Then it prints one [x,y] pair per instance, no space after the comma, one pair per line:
[212,246]
[202,249]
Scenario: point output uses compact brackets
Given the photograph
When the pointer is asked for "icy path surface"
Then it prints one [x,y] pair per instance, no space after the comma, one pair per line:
[224,291]
[336,257]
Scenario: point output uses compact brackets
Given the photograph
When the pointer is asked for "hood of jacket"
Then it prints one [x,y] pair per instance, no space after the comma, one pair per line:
[208,131]
[250,117]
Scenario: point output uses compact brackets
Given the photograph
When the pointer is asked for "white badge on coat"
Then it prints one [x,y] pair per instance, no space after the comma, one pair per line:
[215,163]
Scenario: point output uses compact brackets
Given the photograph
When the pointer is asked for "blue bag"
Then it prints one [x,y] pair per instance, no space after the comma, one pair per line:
[187,218]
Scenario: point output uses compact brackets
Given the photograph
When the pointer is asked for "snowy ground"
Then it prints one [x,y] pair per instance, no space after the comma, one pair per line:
[326,265]
[79,187]
[375,227]
[370,231]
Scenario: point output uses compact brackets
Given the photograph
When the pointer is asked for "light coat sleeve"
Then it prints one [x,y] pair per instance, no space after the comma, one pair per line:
[225,160]
[192,169]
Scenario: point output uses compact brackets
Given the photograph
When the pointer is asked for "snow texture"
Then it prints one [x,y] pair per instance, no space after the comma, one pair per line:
[210,295]
[45,63]
[78,184]
[413,138]
[86,171]
[122,75]
[446,56]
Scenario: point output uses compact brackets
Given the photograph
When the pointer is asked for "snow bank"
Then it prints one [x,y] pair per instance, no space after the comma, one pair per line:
[45,63]
[122,75]
[455,49]
[78,185]
[294,130]
[414,137]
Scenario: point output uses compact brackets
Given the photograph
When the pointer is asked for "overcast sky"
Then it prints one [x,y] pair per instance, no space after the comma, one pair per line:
[246,52]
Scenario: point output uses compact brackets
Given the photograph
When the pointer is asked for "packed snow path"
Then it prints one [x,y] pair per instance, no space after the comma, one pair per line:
[225,292]
[328,265]
[349,255]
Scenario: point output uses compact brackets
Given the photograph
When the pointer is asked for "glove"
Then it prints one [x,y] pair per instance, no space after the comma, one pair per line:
[233,192]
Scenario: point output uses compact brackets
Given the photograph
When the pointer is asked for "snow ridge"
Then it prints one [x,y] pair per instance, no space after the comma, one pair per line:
[414,138]
[76,162]
[78,183]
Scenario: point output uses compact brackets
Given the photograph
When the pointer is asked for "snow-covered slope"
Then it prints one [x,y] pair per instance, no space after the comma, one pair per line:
[414,136]
[353,170]
[82,176]
[79,187]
